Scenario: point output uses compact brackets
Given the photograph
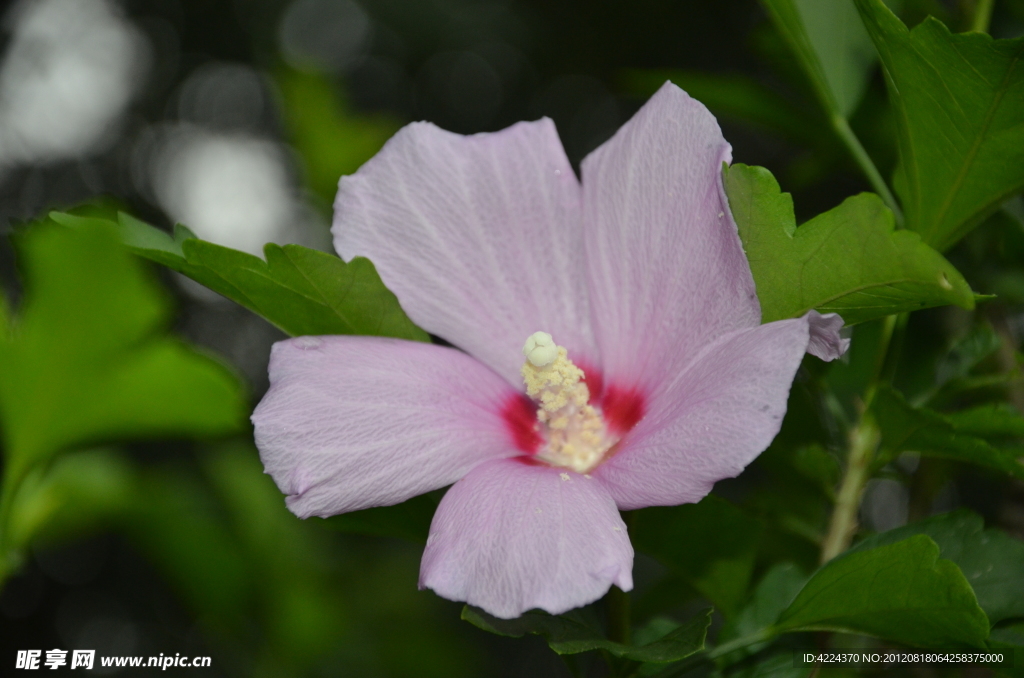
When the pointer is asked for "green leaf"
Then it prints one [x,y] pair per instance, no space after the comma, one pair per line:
[830,41]
[774,593]
[900,592]
[959,119]
[70,497]
[87,359]
[711,543]
[570,634]
[991,560]
[908,429]
[981,342]
[301,291]
[849,260]
[953,369]
[994,420]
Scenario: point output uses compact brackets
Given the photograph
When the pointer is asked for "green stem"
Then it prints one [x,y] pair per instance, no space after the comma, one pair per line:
[864,440]
[982,16]
[842,128]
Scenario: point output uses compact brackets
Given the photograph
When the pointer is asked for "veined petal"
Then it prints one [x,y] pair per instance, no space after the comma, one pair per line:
[354,422]
[479,236]
[714,419]
[514,536]
[826,342]
[667,272]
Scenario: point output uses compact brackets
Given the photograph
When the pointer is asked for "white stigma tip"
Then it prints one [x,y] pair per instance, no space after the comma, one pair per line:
[540,349]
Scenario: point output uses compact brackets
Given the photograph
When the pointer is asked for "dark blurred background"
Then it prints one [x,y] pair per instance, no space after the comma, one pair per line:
[236,117]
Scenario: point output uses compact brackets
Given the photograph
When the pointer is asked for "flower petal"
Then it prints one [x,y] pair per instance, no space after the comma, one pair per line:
[512,536]
[354,422]
[714,419]
[826,342]
[667,271]
[479,236]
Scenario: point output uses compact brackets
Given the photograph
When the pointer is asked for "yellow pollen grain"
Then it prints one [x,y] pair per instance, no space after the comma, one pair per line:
[557,384]
[576,436]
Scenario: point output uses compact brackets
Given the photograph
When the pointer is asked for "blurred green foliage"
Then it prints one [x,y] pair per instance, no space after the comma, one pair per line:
[86,360]
[330,138]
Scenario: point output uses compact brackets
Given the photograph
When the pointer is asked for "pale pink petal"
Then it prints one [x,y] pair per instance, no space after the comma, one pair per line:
[512,536]
[667,272]
[826,342]
[479,236]
[354,422]
[711,421]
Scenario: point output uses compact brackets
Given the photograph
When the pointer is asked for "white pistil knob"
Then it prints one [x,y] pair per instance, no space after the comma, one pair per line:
[540,349]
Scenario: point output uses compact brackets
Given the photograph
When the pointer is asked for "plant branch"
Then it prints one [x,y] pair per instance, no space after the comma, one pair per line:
[864,440]
[852,143]
[982,15]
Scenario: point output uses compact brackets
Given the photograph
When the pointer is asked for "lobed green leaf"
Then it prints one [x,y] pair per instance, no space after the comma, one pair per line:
[991,560]
[301,291]
[905,428]
[960,121]
[901,592]
[832,46]
[849,260]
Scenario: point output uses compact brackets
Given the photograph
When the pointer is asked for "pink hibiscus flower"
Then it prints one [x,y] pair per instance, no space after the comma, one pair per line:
[662,380]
